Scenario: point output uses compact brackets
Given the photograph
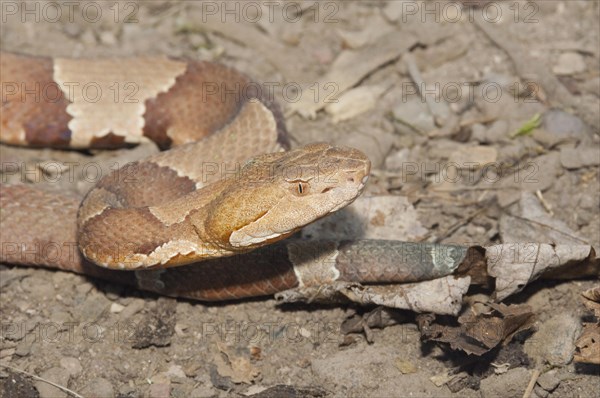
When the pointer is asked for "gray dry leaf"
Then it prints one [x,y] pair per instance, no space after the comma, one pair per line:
[238,369]
[514,265]
[440,296]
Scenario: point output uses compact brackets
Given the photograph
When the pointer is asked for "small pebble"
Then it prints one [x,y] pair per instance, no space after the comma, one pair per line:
[509,384]
[72,365]
[108,38]
[554,342]
[569,63]
[56,375]
[549,380]
[133,308]
[176,371]
[98,388]
[116,308]
[23,348]
[159,390]
[203,392]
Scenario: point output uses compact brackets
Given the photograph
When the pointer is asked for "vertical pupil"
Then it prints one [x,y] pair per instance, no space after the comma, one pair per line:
[300,187]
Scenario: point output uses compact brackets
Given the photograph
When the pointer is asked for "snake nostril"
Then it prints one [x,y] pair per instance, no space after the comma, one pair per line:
[350,179]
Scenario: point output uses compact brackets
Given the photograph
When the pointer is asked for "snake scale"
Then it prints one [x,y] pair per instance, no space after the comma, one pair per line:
[170,223]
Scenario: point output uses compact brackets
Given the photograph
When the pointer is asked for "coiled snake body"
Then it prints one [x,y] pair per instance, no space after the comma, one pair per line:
[166,210]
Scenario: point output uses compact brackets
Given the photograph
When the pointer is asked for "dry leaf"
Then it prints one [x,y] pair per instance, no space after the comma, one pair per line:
[588,344]
[441,296]
[514,265]
[479,333]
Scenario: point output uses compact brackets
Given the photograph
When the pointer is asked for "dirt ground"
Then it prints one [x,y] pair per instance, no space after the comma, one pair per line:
[514,84]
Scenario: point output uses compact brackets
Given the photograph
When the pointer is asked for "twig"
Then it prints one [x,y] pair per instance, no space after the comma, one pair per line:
[546,205]
[65,389]
[529,389]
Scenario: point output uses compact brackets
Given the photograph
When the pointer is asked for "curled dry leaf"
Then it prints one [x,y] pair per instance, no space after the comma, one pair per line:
[514,265]
[479,333]
[441,296]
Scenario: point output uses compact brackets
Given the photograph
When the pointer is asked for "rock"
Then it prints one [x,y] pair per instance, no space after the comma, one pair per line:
[373,28]
[176,371]
[497,132]
[108,38]
[203,391]
[370,367]
[539,392]
[159,390]
[569,63]
[575,158]
[39,288]
[115,308]
[83,288]
[132,308]
[72,29]
[554,342]
[539,173]
[94,306]
[374,217]
[414,112]
[99,388]
[56,375]
[549,380]
[558,126]
[510,384]
[393,10]
[467,157]
[516,229]
[397,160]
[23,348]
[72,365]
[354,102]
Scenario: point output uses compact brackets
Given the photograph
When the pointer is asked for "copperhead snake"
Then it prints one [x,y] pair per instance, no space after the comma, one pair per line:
[154,216]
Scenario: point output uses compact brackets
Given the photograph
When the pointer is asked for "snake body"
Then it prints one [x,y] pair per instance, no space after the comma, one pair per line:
[170,209]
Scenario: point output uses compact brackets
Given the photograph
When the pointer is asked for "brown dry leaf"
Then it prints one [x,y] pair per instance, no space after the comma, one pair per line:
[592,300]
[238,369]
[405,366]
[588,344]
[479,333]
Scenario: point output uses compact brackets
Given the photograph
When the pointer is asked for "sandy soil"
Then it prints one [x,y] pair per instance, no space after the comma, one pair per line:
[105,340]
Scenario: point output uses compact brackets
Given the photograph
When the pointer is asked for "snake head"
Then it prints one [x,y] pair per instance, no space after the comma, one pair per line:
[277,194]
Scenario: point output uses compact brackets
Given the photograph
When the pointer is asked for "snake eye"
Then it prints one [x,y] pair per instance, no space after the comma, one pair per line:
[301,188]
